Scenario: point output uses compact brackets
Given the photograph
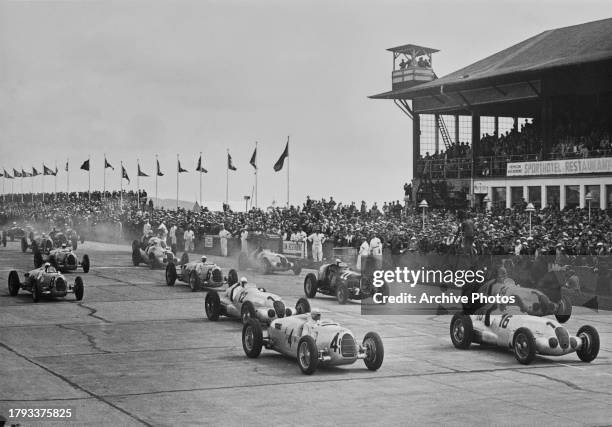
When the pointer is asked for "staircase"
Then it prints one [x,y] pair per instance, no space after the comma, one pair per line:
[444,132]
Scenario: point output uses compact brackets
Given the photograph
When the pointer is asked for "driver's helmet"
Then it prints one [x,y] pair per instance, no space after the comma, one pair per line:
[204,258]
[338,262]
[63,246]
[47,265]
[243,281]
[315,315]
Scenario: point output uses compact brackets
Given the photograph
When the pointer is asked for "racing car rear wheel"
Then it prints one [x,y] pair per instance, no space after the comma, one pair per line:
[79,289]
[302,306]
[342,294]
[194,281]
[13,283]
[36,293]
[524,346]
[243,261]
[375,351]
[252,338]
[307,355]
[135,252]
[85,263]
[310,285]
[247,312]
[212,305]
[38,259]
[24,244]
[590,347]
[297,269]
[232,277]
[564,311]
[461,331]
[170,274]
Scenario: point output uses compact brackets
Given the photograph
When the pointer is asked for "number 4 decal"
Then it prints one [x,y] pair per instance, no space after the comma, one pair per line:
[334,343]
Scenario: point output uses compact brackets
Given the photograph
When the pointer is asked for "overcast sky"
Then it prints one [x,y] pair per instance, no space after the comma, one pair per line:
[135,79]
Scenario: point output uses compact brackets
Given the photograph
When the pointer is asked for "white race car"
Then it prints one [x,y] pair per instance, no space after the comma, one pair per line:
[313,342]
[524,334]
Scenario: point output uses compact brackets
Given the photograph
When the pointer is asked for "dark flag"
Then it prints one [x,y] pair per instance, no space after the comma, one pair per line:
[253,160]
[34,171]
[180,169]
[281,160]
[108,165]
[124,174]
[47,171]
[55,173]
[66,166]
[159,172]
[141,173]
[230,164]
[25,174]
[85,165]
[16,173]
[200,168]
[7,175]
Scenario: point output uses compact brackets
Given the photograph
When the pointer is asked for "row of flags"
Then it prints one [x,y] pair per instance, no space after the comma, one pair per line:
[199,168]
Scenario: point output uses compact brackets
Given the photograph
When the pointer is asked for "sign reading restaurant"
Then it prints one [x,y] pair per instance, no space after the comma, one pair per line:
[560,167]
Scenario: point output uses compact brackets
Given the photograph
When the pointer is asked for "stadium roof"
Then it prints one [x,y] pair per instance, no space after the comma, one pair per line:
[561,47]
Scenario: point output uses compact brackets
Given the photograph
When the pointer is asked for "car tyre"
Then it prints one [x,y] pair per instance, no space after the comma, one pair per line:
[297,269]
[375,351]
[13,283]
[247,312]
[589,352]
[170,274]
[232,277]
[342,294]
[36,293]
[524,346]
[564,311]
[252,338]
[79,288]
[310,285]
[24,244]
[212,305]
[85,263]
[38,259]
[194,281]
[307,355]
[461,331]
[302,306]
[135,252]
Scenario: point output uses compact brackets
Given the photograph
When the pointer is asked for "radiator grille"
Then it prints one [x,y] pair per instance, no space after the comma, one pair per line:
[347,346]
[60,285]
[217,276]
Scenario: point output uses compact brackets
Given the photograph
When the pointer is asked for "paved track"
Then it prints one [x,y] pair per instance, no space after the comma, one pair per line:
[136,351]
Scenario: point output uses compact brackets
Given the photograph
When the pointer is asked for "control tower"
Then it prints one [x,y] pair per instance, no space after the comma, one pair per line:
[412,65]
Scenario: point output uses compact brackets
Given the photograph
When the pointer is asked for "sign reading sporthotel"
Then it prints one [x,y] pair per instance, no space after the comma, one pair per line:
[560,167]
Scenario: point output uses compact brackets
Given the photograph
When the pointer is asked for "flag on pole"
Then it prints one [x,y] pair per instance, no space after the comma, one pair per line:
[7,175]
[281,160]
[47,171]
[140,172]
[106,165]
[159,172]
[16,173]
[85,165]
[124,174]
[55,172]
[253,160]
[35,172]
[66,168]
[25,174]
[200,168]
[230,164]
[180,169]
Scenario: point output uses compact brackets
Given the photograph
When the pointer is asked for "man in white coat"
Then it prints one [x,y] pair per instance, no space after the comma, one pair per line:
[317,240]
[223,236]
[243,240]
[172,235]
[188,236]
[376,248]
[364,251]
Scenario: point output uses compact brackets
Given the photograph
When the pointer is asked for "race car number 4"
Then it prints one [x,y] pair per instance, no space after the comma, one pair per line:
[41,413]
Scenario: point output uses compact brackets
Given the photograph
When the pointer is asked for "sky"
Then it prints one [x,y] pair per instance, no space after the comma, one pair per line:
[133,79]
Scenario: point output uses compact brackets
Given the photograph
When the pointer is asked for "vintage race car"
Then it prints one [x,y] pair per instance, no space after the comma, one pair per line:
[246,301]
[16,232]
[524,334]
[63,259]
[199,274]
[313,342]
[42,243]
[69,237]
[155,253]
[265,261]
[339,280]
[45,281]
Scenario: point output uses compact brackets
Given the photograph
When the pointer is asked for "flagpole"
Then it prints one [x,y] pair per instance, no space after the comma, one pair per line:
[89,178]
[288,157]
[21,184]
[121,185]
[138,185]
[227,179]
[43,183]
[31,184]
[156,174]
[55,183]
[200,179]
[104,185]
[68,176]
[177,179]
[256,204]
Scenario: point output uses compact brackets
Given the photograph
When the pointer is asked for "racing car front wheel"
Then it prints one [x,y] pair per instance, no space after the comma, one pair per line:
[524,346]
[79,289]
[135,252]
[302,306]
[310,285]
[252,338]
[461,331]
[589,349]
[85,263]
[36,293]
[375,351]
[13,283]
[170,274]
[247,312]
[24,244]
[212,305]
[342,294]
[38,259]
[307,355]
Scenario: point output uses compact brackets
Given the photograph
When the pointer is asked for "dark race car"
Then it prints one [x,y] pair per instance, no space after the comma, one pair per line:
[339,280]
[45,281]
[265,262]
[63,259]
[68,237]
[154,252]
[199,274]
[42,243]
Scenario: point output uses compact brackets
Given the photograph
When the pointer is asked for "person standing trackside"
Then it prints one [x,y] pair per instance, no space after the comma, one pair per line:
[376,248]
[223,236]
[172,235]
[188,237]
[243,240]
[317,240]
[364,252]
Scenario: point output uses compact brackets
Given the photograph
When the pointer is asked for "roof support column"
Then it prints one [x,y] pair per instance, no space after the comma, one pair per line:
[546,123]
[437,129]
[416,142]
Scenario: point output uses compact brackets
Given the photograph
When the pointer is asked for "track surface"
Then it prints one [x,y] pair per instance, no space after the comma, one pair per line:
[136,351]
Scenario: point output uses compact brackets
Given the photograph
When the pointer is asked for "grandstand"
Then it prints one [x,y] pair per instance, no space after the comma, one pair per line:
[529,124]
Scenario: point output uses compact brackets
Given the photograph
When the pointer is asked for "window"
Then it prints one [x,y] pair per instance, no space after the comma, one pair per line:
[572,196]
[553,195]
[465,129]
[487,125]
[535,196]
[516,196]
[499,197]
[428,134]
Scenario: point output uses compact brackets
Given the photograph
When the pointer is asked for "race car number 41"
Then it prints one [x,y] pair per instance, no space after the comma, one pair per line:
[41,413]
